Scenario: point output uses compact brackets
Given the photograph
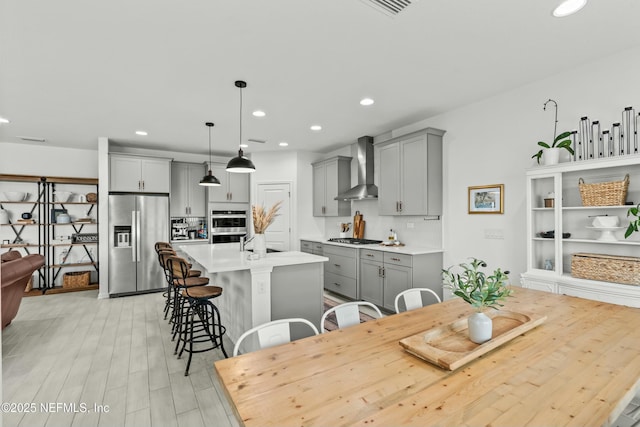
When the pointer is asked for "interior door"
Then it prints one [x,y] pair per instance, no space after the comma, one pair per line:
[278,235]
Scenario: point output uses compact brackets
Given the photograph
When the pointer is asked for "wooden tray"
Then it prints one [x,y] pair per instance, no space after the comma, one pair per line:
[449,346]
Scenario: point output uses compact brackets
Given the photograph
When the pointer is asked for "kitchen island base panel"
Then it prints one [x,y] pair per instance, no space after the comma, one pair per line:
[294,291]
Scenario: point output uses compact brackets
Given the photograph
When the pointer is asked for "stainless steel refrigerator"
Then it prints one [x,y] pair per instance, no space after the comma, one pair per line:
[136,223]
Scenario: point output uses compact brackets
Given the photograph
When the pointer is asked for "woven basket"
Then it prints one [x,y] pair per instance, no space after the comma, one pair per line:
[606,268]
[613,193]
[76,279]
[92,197]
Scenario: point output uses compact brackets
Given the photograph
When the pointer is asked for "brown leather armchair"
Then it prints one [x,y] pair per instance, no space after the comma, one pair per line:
[15,272]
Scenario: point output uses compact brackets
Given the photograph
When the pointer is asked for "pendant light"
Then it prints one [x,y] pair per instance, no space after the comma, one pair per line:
[209,180]
[240,164]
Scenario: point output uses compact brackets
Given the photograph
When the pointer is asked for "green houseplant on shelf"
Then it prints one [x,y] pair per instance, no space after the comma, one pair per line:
[634,224]
[558,143]
[480,290]
[552,152]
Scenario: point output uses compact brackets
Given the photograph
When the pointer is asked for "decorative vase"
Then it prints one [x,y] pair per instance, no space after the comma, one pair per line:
[260,245]
[480,328]
[551,156]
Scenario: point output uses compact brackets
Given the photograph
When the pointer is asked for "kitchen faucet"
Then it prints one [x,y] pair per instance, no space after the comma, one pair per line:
[244,241]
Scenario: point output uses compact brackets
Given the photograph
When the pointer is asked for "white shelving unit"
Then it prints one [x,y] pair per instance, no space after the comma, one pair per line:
[570,218]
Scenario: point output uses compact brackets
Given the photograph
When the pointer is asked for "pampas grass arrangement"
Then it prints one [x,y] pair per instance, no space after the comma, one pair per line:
[263,218]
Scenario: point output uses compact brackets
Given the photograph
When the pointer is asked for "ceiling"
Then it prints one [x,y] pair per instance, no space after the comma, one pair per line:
[74,70]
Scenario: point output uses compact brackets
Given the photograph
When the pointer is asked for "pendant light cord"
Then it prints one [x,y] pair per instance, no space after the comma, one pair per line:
[209,148]
[240,142]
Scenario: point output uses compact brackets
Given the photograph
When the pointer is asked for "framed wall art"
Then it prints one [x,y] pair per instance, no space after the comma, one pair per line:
[486,199]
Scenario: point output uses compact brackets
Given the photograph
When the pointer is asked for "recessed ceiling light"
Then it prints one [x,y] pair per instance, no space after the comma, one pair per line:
[141,133]
[283,144]
[259,113]
[366,101]
[3,120]
[568,7]
[316,127]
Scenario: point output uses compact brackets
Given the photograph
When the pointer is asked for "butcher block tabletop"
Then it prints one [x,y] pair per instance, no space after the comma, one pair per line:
[581,367]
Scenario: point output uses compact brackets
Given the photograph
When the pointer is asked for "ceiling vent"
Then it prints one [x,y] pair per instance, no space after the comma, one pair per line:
[389,7]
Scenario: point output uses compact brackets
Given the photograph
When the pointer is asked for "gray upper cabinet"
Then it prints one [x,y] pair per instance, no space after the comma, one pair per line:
[330,178]
[410,175]
[139,174]
[234,186]
[187,195]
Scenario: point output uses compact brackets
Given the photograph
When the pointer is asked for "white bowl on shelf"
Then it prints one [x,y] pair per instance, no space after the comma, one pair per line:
[606,221]
[15,196]
[63,196]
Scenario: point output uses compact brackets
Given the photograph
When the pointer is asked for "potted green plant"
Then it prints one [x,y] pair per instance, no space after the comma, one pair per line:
[480,290]
[634,224]
[553,151]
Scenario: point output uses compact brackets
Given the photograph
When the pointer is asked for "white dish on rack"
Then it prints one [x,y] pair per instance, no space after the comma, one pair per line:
[606,233]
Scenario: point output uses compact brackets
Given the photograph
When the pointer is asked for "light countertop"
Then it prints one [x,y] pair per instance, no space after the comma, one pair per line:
[407,249]
[223,257]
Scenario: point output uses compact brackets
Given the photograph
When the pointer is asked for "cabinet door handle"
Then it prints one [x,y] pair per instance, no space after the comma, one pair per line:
[337,284]
[382,269]
[400,206]
[337,265]
[143,184]
[370,255]
[395,259]
[230,195]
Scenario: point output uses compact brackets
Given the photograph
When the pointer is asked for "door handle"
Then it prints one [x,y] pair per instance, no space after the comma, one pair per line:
[134,240]
[138,233]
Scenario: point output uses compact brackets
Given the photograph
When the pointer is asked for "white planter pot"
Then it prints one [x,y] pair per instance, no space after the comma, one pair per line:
[260,245]
[551,156]
[480,328]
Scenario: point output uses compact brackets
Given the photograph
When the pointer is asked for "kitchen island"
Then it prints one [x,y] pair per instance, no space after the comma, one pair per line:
[255,291]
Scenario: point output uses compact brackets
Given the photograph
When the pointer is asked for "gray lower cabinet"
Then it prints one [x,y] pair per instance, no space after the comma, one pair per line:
[311,247]
[383,275]
[340,272]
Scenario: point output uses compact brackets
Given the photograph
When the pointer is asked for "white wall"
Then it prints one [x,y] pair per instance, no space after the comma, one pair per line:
[492,141]
[40,160]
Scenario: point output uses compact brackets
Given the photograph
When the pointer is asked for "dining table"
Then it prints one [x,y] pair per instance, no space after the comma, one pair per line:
[578,367]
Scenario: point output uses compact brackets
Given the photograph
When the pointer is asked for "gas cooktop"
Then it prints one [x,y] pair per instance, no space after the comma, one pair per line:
[354,241]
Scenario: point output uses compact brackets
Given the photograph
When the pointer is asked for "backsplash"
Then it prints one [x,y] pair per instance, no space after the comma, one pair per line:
[425,232]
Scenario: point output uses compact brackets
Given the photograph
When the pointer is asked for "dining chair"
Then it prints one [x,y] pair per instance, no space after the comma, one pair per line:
[348,313]
[414,298]
[273,333]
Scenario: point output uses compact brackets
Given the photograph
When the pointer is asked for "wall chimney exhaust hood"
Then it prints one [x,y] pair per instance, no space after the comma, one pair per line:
[365,188]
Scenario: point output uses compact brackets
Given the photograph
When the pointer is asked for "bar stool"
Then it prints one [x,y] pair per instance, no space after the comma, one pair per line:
[180,279]
[164,251]
[207,327]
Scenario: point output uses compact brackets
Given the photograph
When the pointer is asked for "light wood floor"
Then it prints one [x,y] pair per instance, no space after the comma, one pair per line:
[73,348]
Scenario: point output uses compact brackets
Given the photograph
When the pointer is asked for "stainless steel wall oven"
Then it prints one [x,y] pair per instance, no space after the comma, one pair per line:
[228,226]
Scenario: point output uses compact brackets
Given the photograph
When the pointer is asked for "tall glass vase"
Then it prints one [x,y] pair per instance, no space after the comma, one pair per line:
[260,245]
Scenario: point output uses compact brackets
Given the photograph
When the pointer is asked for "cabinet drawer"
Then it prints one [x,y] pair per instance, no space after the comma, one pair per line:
[371,255]
[343,285]
[306,246]
[339,251]
[340,265]
[318,248]
[397,259]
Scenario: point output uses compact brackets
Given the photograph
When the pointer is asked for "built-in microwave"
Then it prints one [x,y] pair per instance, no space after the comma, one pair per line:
[228,226]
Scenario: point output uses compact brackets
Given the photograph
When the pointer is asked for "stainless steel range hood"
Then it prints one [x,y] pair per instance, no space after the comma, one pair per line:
[365,188]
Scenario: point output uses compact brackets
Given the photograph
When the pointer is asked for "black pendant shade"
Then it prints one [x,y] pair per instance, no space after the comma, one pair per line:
[209,180]
[240,164]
